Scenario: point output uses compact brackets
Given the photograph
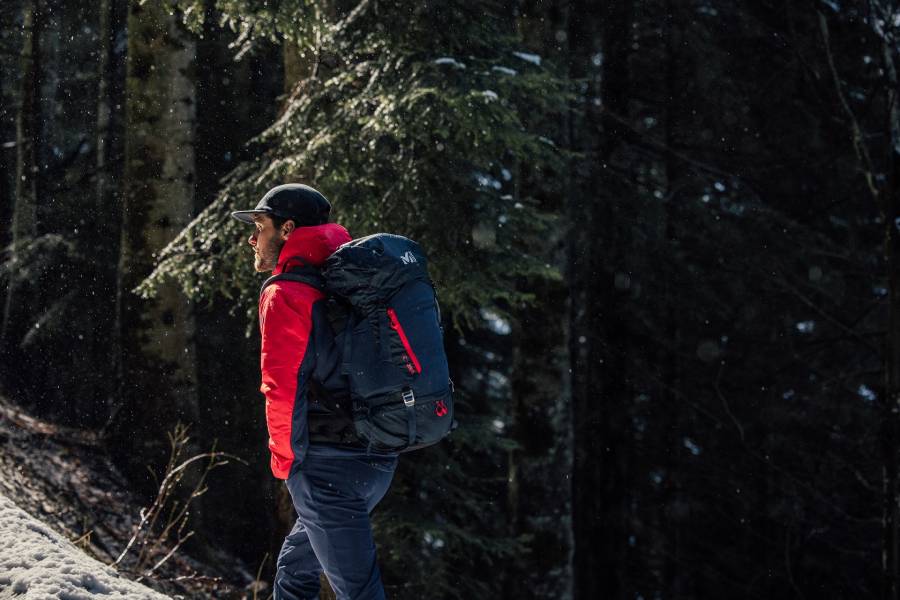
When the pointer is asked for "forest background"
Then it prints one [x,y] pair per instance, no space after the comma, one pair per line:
[664,235]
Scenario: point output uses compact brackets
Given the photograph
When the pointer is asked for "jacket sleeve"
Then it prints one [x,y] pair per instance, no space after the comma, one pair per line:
[285,325]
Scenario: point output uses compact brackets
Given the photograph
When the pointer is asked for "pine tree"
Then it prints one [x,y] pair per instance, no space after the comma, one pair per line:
[419,128]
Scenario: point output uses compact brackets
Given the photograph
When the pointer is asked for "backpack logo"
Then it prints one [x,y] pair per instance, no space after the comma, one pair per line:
[407,257]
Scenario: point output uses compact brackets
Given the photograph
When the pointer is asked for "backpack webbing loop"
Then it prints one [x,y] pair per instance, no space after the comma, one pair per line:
[409,399]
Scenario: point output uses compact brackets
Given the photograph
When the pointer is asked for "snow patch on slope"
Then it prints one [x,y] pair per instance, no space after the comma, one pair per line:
[36,563]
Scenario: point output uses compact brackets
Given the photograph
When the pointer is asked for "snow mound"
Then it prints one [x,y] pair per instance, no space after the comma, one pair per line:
[36,563]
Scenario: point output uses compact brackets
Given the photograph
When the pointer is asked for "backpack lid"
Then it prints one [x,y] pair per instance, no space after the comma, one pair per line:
[370,270]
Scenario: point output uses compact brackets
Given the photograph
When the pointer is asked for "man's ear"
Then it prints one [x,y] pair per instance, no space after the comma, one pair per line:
[287,228]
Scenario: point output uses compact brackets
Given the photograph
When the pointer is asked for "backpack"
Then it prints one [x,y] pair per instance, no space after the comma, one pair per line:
[383,309]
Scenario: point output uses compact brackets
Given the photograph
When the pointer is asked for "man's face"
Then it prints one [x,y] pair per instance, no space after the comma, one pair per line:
[267,241]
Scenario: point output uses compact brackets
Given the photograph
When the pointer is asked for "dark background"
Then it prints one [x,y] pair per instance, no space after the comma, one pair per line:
[666,253]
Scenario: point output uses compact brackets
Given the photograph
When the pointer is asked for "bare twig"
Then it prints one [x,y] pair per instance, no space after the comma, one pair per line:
[787,563]
[84,540]
[730,414]
[786,285]
[166,517]
[859,146]
[256,582]
[169,555]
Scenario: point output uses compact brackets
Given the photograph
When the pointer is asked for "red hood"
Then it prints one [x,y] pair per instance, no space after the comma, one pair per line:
[310,245]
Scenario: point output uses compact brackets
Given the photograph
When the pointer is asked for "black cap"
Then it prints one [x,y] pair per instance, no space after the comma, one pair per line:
[300,203]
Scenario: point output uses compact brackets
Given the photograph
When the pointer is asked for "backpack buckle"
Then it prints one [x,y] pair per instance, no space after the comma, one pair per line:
[409,399]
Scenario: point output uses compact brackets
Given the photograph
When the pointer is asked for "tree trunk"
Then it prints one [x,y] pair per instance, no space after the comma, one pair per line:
[28,143]
[6,204]
[539,409]
[110,156]
[891,402]
[891,489]
[598,338]
[674,503]
[159,378]
[8,101]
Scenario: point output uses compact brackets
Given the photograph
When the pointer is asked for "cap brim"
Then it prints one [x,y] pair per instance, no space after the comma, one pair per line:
[247,215]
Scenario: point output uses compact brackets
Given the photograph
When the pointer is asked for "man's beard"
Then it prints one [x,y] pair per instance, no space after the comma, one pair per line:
[266,257]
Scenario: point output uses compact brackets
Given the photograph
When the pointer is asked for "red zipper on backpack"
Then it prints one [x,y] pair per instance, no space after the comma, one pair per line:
[395,324]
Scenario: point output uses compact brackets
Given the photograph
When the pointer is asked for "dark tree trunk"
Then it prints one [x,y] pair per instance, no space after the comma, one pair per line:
[7,201]
[891,213]
[539,410]
[674,503]
[891,489]
[8,101]
[28,177]
[107,343]
[598,338]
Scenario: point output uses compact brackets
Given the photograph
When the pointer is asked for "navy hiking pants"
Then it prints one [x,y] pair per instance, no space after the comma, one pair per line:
[333,496]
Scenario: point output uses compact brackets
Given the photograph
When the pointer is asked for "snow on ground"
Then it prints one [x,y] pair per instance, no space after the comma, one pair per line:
[36,563]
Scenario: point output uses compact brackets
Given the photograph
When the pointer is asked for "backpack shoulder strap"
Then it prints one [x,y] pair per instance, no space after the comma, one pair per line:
[308,275]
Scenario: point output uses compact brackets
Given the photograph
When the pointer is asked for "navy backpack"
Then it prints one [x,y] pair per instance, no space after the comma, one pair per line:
[391,341]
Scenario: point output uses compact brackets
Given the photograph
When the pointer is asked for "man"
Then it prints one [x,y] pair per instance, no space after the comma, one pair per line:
[333,483]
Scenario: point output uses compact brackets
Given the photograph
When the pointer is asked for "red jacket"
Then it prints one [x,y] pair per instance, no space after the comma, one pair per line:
[290,315]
